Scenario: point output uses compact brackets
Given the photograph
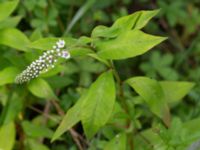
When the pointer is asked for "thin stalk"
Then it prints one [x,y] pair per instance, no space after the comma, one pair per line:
[123,102]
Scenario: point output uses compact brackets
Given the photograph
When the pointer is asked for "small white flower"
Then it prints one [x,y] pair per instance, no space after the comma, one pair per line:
[65,54]
[60,43]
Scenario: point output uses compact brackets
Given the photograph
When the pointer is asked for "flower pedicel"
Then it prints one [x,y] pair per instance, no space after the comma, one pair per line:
[43,63]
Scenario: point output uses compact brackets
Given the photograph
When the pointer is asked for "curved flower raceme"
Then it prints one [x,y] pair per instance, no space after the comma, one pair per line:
[46,61]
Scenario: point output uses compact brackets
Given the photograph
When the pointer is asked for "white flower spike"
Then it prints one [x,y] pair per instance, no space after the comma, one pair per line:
[43,63]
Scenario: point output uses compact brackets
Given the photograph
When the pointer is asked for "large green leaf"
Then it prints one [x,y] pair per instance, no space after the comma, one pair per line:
[8,75]
[117,143]
[14,38]
[7,8]
[98,104]
[41,88]
[152,93]
[174,90]
[126,45]
[7,136]
[72,117]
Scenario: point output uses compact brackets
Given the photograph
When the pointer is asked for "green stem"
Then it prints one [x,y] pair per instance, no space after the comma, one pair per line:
[123,102]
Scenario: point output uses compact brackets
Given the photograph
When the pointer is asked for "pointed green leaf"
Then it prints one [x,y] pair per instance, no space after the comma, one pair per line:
[135,21]
[7,136]
[152,93]
[8,75]
[72,117]
[117,143]
[128,44]
[174,90]
[14,38]
[98,104]
[41,88]
[7,8]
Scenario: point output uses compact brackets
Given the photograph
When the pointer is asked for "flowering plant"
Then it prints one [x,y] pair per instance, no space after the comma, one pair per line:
[44,63]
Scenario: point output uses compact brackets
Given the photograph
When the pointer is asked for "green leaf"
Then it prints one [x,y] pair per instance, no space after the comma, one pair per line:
[44,43]
[53,71]
[71,45]
[7,136]
[152,93]
[33,144]
[95,56]
[128,44]
[117,143]
[72,117]
[103,31]
[10,22]
[48,43]
[13,107]
[193,126]
[7,8]
[134,21]
[84,40]
[41,88]
[8,75]
[174,90]
[36,35]
[98,104]
[14,38]
[79,51]
[36,131]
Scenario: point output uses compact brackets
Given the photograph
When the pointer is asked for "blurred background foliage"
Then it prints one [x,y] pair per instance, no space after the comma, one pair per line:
[177,59]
